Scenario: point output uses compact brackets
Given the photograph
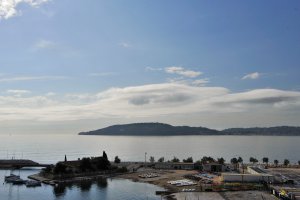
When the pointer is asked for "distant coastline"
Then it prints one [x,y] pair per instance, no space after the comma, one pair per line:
[160,129]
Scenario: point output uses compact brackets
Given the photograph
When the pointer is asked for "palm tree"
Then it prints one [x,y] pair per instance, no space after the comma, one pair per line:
[240,160]
[276,162]
[253,160]
[221,161]
[265,160]
[286,162]
[234,161]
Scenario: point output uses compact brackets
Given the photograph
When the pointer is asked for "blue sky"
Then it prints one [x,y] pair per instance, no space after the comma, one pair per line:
[79,65]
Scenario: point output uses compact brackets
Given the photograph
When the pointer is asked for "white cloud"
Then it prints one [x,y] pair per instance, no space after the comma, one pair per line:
[252,76]
[153,69]
[183,72]
[18,93]
[44,44]
[101,74]
[155,100]
[8,8]
[49,94]
[125,44]
[200,82]
[31,78]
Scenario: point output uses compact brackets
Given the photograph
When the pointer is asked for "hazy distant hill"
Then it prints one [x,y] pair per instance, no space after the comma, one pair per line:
[152,129]
[279,130]
[156,129]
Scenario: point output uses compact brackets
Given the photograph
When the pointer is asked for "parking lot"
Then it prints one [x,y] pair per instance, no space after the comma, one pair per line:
[286,174]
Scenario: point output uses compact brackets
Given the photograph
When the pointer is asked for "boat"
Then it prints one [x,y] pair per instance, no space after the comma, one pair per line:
[11,178]
[18,181]
[33,183]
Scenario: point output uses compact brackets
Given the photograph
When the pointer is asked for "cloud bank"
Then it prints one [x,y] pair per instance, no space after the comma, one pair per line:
[154,100]
[8,8]
[252,76]
[183,72]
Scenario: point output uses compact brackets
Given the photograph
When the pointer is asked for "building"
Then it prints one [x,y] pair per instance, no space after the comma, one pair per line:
[254,178]
[255,174]
[174,165]
[214,167]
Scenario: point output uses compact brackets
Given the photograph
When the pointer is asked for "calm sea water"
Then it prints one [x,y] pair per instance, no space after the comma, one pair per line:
[110,189]
[52,148]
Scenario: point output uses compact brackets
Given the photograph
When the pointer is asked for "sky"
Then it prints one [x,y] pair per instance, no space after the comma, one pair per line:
[70,65]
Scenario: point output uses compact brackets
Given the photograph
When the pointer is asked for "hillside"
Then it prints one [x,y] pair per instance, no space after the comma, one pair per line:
[157,129]
[279,130]
[151,129]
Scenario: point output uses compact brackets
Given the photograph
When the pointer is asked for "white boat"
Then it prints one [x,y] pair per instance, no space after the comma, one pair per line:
[11,178]
[33,183]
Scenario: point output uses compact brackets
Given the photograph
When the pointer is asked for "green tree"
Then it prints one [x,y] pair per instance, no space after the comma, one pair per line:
[265,160]
[221,161]
[240,160]
[188,160]
[234,161]
[205,160]
[117,159]
[59,168]
[286,162]
[85,164]
[175,159]
[253,160]
[104,155]
[276,162]
[152,160]
[161,159]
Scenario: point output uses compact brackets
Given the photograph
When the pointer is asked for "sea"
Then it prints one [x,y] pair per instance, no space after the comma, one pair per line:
[51,148]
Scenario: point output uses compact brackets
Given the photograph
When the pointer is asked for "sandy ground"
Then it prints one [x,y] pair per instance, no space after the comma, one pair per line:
[164,177]
[291,173]
[241,195]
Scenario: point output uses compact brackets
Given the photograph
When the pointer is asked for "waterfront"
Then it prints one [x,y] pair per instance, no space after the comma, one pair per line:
[48,149]
[104,189]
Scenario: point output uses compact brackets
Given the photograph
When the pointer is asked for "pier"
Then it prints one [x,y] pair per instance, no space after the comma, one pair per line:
[19,163]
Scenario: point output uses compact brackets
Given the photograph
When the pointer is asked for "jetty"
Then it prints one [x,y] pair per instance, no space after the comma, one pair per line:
[19,163]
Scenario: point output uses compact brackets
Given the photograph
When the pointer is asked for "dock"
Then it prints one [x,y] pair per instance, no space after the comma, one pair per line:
[19,163]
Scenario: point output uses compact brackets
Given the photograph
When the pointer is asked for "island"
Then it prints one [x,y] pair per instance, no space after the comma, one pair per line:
[160,129]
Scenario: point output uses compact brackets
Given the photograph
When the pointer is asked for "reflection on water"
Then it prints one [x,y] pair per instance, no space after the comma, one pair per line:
[59,190]
[84,186]
[101,183]
[106,189]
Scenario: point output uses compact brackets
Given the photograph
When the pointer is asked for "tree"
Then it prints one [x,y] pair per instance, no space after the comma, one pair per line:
[276,162]
[65,158]
[265,160]
[85,164]
[175,159]
[152,160]
[234,161]
[205,160]
[298,162]
[188,160]
[59,168]
[117,159]
[240,160]
[221,161]
[104,155]
[253,160]
[286,162]
[161,159]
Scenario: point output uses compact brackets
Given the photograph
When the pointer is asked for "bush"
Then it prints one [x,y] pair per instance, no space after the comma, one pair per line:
[117,159]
